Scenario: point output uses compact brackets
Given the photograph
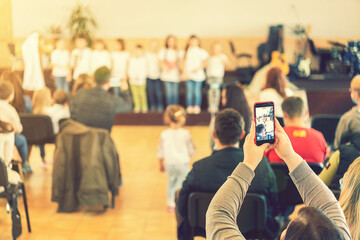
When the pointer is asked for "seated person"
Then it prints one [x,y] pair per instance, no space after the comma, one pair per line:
[208,174]
[96,107]
[307,142]
[60,109]
[350,122]
[321,218]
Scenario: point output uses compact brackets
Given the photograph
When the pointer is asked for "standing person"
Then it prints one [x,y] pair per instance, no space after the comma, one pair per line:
[215,70]
[137,72]
[153,79]
[100,56]
[170,72]
[194,62]
[175,148]
[120,58]
[80,57]
[60,60]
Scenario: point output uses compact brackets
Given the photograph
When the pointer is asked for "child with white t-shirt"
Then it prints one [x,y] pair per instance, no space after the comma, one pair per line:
[215,70]
[175,149]
[170,70]
[120,58]
[194,62]
[60,60]
[100,56]
[137,72]
[80,57]
[153,83]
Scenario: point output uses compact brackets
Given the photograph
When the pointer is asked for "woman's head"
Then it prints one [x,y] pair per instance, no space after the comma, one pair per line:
[119,44]
[194,41]
[41,99]
[275,79]
[350,198]
[83,81]
[311,224]
[13,77]
[175,114]
[170,42]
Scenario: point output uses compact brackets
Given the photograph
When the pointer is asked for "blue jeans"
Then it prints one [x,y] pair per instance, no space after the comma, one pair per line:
[155,94]
[172,92]
[193,93]
[21,145]
[61,83]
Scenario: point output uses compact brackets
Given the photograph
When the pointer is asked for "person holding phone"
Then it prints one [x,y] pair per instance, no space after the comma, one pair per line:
[321,218]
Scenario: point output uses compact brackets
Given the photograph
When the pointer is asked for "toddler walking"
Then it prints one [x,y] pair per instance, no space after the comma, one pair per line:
[175,148]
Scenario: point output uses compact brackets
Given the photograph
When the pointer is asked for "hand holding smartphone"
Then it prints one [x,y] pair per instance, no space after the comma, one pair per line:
[264,123]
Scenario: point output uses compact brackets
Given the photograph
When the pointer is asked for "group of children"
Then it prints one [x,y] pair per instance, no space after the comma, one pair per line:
[147,72]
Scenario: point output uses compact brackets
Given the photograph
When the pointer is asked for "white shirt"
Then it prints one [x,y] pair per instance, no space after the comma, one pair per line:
[60,59]
[170,58]
[99,58]
[137,70]
[80,61]
[56,113]
[119,65]
[216,66]
[193,60]
[271,94]
[7,142]
[9,114]
[153,67]
[176,146]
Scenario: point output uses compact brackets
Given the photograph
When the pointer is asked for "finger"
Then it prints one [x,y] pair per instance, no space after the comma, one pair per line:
[252,130]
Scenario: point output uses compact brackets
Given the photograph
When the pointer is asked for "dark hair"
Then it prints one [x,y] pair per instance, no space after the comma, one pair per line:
[228,126]
[122,42]
[6,89]
[260,127]
[293,107]
[15,79]
[81,36]
[5,127]
[275,79]
[167,40]
[188,44]
[139,46]
[102,75]
[236,99]
[312,224]
[60,97]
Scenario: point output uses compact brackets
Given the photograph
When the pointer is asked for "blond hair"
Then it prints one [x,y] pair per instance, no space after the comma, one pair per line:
[84,81]
[41,100]
[175,114]
[350,198]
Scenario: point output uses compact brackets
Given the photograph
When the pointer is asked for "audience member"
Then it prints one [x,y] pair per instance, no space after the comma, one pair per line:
[100,56]
[275,89]
[120,58]
[322,218]
[59,110]
[208,174]
[80,57]
[170,70]
[350,198]
[22,102]
[215,71]
[350,121]
[194,63]
[154,86]
[9,115]
[307,142]
[175,149]
[137,72]
[95,107]
[60,61]
[84,81]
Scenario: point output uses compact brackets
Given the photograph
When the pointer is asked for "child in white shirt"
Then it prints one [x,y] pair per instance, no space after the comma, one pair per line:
[215,71]
[194,63]
[80,57]
[60,60]
[175,148]
[137,72]
[59,110]
[100,56]
[120,58]
[154,86]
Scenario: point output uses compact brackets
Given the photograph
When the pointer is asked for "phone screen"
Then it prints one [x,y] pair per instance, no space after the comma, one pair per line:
[264,121]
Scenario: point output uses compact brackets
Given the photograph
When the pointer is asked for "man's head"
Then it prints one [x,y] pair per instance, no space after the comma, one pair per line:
[102,76]
[60,97]
[6,91]
[293,108]
[229,126]
[355,89]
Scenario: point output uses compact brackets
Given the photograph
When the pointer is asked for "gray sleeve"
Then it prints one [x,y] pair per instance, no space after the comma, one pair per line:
[225,206]
[341,128]
[316,194]
[123,102]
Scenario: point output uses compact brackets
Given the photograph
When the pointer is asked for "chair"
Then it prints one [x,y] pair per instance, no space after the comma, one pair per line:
[10,192]
[251,218]
[326,124]
[288,194]
[37,128]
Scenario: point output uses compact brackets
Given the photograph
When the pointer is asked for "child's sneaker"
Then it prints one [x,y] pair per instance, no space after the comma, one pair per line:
[196,110]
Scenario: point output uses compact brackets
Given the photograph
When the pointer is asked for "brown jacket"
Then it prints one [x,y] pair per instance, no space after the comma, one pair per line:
[86,167]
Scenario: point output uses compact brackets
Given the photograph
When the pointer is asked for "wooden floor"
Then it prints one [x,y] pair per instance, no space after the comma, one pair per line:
[140,209]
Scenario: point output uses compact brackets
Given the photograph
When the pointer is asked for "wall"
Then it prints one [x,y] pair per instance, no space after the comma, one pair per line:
[6,34]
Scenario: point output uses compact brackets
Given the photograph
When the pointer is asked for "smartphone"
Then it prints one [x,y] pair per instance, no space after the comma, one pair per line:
[264,122]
